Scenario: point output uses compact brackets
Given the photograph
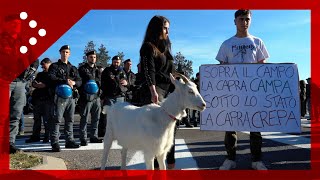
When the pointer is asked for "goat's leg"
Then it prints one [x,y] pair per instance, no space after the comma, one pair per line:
[123,158]
[161,160]
[149,161]
[106,147]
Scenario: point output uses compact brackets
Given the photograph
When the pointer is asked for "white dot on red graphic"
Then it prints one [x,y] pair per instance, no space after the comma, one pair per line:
[33,41]
[23,15]
[42,32]
[33,24]
[23,49]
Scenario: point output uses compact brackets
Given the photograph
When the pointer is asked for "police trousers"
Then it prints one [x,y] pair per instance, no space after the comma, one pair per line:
[88,108]
[62,108]
[42,112]
[17,102]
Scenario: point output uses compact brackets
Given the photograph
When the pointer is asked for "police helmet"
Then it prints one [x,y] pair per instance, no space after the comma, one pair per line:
[64,91]
[91,87]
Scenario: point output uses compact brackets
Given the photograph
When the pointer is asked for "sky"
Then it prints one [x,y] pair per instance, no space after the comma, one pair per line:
[197,34]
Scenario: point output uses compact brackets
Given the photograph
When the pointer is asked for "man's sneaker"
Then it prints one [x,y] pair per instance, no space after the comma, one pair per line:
[83,142]
[227,165]
[71,145]
[258,165]
[55,147]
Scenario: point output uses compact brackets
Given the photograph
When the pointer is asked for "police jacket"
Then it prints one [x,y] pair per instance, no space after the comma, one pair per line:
[131,78]
[60,72]
[89,73]
[41,93]
[13,64]
[110,82]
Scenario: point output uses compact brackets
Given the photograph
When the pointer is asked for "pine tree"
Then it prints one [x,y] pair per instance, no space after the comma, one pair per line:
[102,56]
[89,47]
[183,65]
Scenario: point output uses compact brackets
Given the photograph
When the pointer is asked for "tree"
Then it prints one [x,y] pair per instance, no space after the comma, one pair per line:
[121,55]
[102,56]
[89,47]
[182,64]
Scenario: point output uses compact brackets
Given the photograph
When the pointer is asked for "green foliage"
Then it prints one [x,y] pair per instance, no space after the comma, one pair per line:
[24,161]
[183,65]
[89,47]
[102,54]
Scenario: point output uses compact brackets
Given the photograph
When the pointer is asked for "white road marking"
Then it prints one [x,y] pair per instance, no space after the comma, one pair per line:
[289,139]
[184,159]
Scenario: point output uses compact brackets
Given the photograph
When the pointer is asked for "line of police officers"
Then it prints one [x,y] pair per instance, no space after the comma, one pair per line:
[61,84]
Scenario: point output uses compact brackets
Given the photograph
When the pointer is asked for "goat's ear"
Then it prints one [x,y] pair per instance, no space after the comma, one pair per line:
[173,80]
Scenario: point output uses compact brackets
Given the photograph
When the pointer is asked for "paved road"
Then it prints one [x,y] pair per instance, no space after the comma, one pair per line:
[195,149]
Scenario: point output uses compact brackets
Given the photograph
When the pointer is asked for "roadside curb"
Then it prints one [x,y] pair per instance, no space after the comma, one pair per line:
[50,163]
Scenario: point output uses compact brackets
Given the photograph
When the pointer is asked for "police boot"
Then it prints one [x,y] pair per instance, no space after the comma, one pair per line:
[83,142]
[45,139]
[33,139]
[71,145]
[14,149]
[95,140]
[55,147]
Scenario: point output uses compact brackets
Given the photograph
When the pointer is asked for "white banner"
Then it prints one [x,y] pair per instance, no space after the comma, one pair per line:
[250,97]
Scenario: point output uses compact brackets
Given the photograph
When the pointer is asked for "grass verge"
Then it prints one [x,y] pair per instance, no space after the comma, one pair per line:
[22,160]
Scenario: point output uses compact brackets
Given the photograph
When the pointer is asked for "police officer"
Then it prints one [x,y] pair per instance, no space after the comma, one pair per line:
[113,86]
[89,101]
[10,43]
[113,82]
[42,103]
[131,77]
[64,81]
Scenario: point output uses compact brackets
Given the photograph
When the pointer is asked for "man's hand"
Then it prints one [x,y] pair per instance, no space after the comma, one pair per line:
[71,83]
[123,82]
[37,84]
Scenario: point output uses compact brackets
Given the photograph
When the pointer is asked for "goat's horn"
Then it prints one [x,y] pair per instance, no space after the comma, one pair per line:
[184,78]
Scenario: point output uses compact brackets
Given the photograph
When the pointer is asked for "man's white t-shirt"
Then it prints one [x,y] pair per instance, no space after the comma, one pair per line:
[242,50]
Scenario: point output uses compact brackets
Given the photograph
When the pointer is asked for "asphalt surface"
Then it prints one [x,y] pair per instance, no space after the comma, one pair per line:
[195,149]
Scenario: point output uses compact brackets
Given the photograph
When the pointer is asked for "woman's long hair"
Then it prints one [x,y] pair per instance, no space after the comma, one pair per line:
[153,33]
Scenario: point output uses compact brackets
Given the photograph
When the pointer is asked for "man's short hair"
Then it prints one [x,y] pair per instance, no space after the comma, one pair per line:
[45,61]
[128,60]
[197,74]
[242,12]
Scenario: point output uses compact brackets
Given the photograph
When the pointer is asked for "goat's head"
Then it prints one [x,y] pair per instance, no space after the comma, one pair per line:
[188,91]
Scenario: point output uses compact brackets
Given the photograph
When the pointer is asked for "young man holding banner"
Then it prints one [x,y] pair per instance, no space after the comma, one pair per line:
[242,48]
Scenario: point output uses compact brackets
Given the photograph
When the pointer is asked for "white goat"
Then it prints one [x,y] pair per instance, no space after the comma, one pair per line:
[150,128]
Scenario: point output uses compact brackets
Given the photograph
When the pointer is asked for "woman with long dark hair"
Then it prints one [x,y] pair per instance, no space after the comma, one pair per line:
[156,65]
